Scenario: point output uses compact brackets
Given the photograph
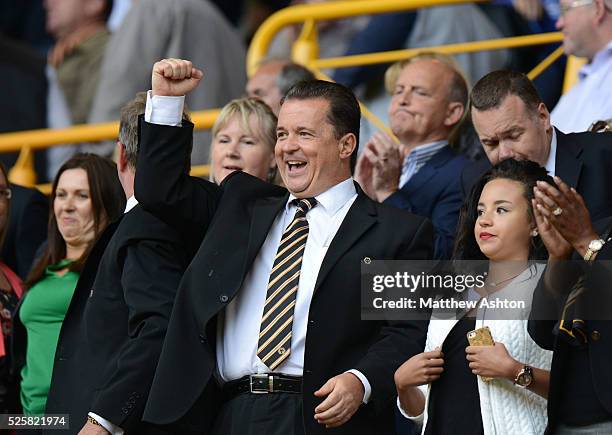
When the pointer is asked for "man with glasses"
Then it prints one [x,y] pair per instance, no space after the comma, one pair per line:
[587,32]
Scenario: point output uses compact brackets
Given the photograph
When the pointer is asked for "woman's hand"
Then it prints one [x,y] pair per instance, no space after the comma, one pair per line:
[492,361]
[421,369]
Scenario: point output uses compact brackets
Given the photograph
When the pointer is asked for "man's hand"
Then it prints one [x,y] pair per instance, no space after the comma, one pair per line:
[558,248]
[174,77]
[92,429]
[364,170]
[573,221]
[344,396]
[386,160]
[492,361]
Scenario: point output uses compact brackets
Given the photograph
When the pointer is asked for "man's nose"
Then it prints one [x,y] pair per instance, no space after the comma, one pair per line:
[505,152]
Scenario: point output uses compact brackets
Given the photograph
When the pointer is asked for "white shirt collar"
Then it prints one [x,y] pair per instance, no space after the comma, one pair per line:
[130,204]
[552,155]
[333,198]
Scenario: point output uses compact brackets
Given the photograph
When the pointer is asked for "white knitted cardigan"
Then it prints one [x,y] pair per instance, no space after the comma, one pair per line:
[505,408]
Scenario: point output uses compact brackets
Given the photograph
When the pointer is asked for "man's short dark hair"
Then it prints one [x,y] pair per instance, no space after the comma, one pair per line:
[291,74]
[107,10]
[491,90]
[343,114]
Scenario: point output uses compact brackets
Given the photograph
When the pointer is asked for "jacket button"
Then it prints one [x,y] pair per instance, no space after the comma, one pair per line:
[202,338]
[223,298]
[595,335]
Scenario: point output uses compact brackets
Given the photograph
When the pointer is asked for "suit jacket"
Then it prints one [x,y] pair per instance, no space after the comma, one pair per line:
[583,161]
[115,326]
[27,228]
[548,305]
[238,216]
[434,193]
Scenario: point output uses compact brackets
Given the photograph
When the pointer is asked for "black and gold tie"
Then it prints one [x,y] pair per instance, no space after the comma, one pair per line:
[274,344]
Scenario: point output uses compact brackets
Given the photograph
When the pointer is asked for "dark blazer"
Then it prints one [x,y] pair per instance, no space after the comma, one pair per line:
[27,228]
[583,161]
[435,193]
[238,216]
[115,326]
[548,304]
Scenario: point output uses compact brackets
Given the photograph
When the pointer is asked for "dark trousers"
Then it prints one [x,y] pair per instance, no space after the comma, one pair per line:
[261,414]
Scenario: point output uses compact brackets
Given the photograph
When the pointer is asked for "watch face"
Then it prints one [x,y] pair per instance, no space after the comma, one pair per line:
[524,379]
[595,245]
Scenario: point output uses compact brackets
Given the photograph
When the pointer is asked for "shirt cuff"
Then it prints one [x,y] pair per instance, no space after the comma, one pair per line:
[114,430]
[366,385]
[415,418]
[164,110]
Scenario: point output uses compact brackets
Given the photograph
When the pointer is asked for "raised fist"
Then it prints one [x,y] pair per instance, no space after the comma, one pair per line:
[174,77]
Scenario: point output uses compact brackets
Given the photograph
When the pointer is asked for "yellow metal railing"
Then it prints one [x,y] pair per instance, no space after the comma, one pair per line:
[305,50]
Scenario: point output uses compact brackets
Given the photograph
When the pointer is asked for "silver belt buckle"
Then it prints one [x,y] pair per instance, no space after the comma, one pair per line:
[261,377]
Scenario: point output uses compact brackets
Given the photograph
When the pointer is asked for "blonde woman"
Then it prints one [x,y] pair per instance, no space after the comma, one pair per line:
[244,136]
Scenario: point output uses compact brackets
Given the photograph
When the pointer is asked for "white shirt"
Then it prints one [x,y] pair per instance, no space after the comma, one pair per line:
[238,331]
[590,99]
[130,204]
[552,155]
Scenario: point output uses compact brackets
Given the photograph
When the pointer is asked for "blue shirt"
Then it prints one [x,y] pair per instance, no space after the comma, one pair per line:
[417,158]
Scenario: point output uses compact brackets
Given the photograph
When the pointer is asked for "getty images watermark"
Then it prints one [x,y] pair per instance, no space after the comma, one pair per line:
[405,290]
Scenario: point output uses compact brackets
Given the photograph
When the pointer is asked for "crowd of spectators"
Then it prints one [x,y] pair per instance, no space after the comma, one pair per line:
[141,300]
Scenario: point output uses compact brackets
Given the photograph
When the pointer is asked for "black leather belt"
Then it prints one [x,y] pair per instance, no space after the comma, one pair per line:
[263,384]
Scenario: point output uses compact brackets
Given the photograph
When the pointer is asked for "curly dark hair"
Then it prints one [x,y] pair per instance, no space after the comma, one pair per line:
[523,171]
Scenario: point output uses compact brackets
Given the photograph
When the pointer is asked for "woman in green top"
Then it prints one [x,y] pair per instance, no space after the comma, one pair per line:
[86,196]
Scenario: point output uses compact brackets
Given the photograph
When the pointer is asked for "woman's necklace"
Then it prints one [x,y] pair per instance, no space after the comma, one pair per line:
[498,283]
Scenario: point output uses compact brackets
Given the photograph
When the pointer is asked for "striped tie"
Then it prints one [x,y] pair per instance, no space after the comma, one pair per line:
[274,344]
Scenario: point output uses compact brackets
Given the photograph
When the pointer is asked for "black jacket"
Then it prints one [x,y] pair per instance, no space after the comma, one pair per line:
[115,326]
[546,310]
[238,216]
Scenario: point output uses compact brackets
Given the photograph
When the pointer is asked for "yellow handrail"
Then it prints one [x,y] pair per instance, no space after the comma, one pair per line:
[328,11]
[46,138]
[463,47]
[196,171]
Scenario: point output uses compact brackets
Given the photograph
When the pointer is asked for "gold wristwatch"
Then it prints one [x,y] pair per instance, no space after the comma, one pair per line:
[594,247]
[524,378]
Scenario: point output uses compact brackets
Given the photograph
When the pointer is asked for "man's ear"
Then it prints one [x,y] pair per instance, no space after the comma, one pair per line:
[347,145]
[543,115]
[121,157]
[94,8]
[600,10]
[454,113]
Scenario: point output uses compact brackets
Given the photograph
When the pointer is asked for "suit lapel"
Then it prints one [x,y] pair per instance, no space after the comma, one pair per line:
[265,211]
[361,216]
[567,162]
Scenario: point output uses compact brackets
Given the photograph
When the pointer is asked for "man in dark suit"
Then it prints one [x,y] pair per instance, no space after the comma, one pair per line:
[115,326]
[269,308]
[420,174]
[513,122]
[27,228]
[571,312]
